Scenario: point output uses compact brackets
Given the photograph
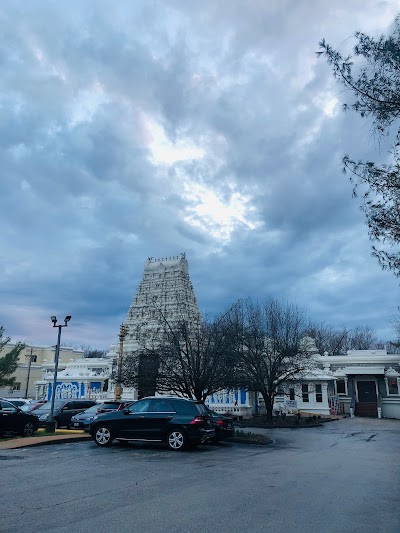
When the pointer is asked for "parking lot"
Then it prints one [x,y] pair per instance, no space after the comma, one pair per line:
[342,477]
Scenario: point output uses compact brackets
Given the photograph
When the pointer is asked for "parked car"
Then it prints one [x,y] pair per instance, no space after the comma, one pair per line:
[33,405]
[110,405]
[223,426]
[20,402]
[64,410]
[14,420]
[82,420]
[178,422]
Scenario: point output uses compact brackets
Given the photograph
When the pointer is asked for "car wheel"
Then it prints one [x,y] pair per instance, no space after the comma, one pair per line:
[176,440]
[29,429]
[103,436]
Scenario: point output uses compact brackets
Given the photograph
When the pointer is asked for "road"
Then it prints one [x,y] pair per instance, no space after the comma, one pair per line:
[341,478]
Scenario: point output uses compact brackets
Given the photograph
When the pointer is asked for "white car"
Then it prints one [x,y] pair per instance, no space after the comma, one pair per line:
[19,402]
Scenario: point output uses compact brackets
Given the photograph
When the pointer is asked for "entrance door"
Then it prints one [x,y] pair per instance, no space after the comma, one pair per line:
[367,404]
[366,391]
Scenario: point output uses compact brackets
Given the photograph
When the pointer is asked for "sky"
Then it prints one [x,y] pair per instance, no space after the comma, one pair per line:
[152,128]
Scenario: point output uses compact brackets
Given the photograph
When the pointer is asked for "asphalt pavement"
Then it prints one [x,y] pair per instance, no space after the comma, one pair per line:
[342,477]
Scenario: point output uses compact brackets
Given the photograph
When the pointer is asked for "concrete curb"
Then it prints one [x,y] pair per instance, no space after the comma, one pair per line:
[27,442]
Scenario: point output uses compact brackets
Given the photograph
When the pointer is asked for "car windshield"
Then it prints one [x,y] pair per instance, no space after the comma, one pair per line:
[47,406]
[91,410]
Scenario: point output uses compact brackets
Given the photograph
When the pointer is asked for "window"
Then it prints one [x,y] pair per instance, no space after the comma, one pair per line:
[318,393]
[161,406]
[393,386]
[340,386]
[291,394]
[139,407]
[7,407]
[304,392]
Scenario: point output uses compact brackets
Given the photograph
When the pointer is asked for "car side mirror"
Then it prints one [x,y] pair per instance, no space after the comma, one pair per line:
[126,411]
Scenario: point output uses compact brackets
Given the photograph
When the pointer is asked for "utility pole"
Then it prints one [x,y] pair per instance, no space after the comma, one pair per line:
[30,356]
[123,332]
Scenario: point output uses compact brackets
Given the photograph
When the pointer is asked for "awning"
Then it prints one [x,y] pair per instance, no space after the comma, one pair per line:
[373,370]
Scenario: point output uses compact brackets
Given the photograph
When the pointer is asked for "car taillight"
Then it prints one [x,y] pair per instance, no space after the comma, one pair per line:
[220,422]
[197,420]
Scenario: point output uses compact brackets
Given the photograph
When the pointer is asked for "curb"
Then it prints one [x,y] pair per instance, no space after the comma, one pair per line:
[15,444]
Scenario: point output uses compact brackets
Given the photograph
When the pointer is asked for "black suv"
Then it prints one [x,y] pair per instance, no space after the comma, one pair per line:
[64,410]
[179,422]
[13,420]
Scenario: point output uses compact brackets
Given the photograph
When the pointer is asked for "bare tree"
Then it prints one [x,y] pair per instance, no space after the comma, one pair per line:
[362,338]
[271,349]
[190,357]
[328,339]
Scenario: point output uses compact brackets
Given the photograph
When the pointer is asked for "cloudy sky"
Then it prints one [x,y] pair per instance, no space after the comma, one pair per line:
[151,128]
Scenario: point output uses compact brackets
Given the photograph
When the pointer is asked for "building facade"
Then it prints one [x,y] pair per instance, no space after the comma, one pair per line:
[30,363]
[367,382]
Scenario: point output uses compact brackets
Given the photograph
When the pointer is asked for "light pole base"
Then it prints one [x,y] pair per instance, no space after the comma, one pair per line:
[50,427]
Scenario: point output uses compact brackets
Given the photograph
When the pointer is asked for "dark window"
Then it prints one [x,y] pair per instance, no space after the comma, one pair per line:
[291,394]
[318,393]
[185,407]
[341,386]
[393,386]
[8,407]
[141,406]
[304,391]
[161,406]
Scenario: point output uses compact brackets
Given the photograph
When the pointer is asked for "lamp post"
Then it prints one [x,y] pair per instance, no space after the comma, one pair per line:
[123,332]
[30,356]
[50,424]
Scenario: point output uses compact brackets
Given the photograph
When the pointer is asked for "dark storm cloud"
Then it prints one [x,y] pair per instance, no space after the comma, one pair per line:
[98,103]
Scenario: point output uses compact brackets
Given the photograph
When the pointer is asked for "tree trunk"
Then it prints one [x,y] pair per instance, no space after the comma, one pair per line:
[269,406]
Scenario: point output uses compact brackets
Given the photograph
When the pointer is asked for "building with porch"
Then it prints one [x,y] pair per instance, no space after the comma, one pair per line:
[367,382]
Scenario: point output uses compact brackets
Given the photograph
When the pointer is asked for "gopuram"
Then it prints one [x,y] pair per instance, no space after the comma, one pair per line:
[164,294]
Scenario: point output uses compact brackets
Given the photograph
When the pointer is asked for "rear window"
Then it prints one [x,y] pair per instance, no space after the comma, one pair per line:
[202,409]
[110,405]
[185,407]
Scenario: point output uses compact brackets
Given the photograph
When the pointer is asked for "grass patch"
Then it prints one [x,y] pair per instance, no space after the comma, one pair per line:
[250,438]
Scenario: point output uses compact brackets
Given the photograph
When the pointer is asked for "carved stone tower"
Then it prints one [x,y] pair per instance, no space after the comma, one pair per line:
[165,288]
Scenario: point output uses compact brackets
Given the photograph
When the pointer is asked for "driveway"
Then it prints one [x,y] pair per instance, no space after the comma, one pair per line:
[339,478]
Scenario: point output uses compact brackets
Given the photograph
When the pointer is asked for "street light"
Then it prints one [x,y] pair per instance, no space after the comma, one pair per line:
[123,332]
[50,424]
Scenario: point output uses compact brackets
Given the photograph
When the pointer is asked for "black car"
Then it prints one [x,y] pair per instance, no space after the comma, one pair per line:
[223,426]
[64,410]
[178,422]
[84,419]
[14,420]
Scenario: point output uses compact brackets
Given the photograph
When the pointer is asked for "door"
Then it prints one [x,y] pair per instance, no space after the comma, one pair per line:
[10,419]
[132,422]
[157,418]
[366,392]
[67,412]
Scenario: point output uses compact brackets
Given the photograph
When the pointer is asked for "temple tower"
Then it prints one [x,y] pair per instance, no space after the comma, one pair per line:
[165,287]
